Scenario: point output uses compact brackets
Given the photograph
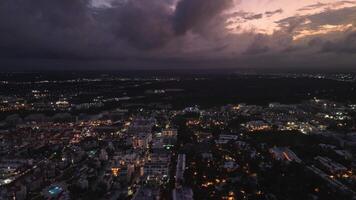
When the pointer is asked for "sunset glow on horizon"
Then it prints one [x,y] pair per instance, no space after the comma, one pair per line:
[180,32]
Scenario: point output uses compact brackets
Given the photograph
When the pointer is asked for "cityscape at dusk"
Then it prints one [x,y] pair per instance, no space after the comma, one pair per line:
[177,100]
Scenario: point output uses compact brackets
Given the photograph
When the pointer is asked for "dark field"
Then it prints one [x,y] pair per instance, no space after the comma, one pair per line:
[181,91]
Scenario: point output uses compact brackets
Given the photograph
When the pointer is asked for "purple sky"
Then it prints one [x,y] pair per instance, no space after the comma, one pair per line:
[142,34]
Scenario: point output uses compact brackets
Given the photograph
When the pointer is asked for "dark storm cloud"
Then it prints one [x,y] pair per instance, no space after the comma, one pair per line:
[347,45]
[195,14]
[258,46]
[157,33]
[145,24]
[73,29]
[49,29]
[256,49]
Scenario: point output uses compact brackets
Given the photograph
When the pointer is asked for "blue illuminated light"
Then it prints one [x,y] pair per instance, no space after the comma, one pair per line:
[55,190]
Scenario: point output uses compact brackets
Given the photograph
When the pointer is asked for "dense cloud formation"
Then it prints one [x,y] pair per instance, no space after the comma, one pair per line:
[195,14]
[72,28]
[173,33]
[45,29]
[346,45]
[144,24]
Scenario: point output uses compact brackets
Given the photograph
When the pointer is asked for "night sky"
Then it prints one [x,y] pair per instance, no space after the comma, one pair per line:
[175,34]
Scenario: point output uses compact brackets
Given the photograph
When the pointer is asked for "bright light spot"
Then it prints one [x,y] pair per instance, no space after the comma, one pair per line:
[322,30]
[7,181]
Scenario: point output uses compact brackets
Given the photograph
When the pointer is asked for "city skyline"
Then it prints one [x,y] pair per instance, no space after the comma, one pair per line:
[111,136]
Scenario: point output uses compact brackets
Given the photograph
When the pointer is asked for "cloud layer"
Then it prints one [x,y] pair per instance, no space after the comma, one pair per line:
[124,34]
